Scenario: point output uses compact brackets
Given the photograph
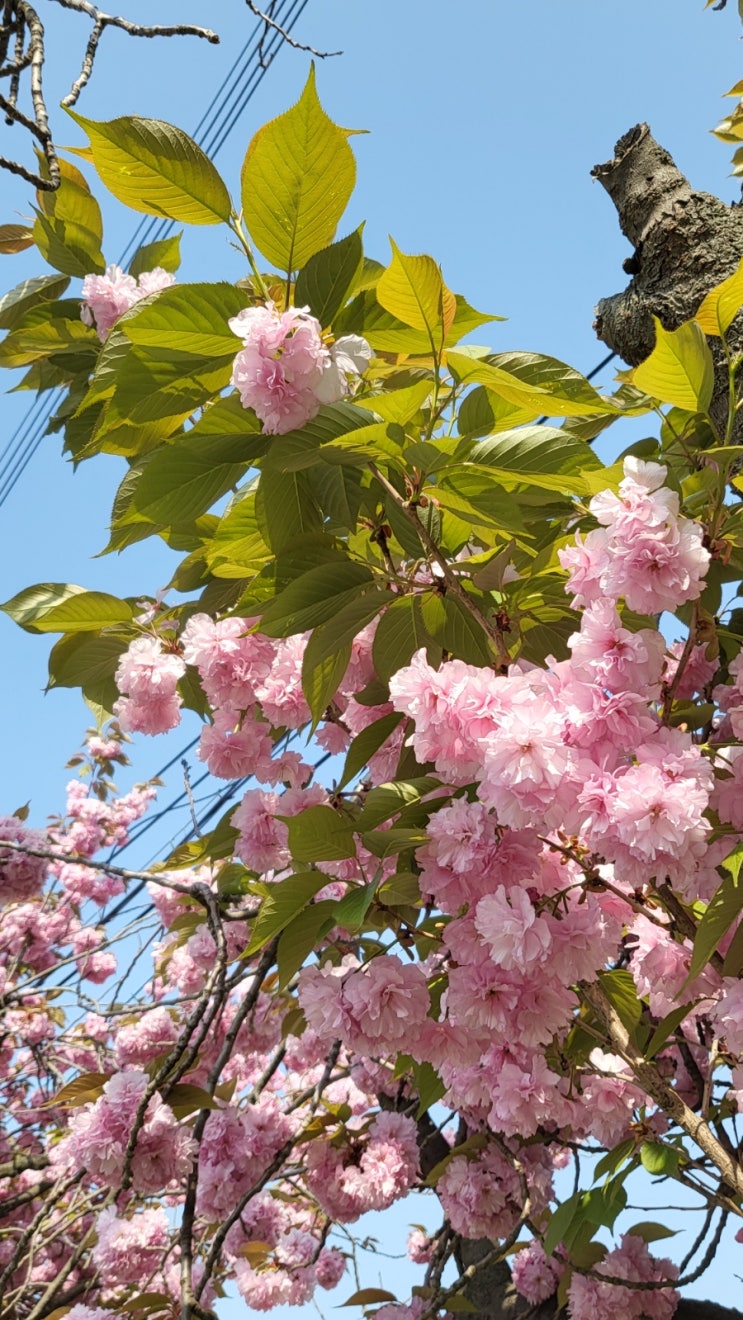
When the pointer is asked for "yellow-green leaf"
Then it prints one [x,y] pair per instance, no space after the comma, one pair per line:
[154,167]
[680,369]
[722,304]
[413,290]
[297,177]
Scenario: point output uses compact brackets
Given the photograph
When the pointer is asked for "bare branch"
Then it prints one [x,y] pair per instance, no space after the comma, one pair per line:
[272,25]
[101,21]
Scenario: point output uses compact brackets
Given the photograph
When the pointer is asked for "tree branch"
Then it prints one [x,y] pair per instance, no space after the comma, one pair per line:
[272,25]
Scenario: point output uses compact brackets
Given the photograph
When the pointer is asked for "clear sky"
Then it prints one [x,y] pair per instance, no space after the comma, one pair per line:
[484,122]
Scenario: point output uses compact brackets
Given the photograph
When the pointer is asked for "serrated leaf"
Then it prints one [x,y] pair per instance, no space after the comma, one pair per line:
[297,177]
[325,282]
[347,624]
[284,901]
[320,834]
[164,252]
[613,1160]
[321,682]
[665,1030]
[28,294]
[350,911]
[298,940]
[412,289]
[402,631]
[15,238]
[619,988]
[184,479]
[186,318]
[680,369]
[652,1232]
[722,304]
[315,597]
[185,1098]
[62,607]
[154,167]
[723,908]
[365,744]
[80,1090]
[564,1218]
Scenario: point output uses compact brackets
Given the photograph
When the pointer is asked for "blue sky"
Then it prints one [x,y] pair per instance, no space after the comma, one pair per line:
[484,122]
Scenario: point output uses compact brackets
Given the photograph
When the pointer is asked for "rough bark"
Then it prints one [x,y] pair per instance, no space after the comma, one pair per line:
[685,243]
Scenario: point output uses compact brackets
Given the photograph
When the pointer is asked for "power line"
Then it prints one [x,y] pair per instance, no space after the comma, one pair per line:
[215,126]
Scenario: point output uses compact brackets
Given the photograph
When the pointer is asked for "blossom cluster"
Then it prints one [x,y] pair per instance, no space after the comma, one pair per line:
[106,297]
[285,370]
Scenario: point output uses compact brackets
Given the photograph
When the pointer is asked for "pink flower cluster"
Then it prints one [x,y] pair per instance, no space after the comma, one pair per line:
[21,874]
[643,551]
[364,1172]
[106,297]
[285,371]
[588,1299]
[99,1135]
[148,676]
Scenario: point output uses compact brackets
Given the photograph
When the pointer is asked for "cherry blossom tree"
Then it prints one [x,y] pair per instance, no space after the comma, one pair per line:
[500,929]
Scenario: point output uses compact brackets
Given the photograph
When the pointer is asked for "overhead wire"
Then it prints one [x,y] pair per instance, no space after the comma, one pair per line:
[216,124]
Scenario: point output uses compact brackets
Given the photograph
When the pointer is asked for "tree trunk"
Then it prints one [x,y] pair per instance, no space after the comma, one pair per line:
[685,243]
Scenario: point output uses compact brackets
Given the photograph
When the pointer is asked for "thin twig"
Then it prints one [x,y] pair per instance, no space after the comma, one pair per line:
[271,23]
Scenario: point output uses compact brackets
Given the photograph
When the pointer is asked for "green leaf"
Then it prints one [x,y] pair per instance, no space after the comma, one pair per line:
[154,167]
[28,294]
[665,1030]
[350,911]
[69,230]
[722,304]
[459,1303]
[301,936]
[182,480]
[164,252]
[531,380]
[188,318]
[722,910]
[320,834]
[347,624]
[614,1159]
[50,328]
[321,682]
[733,963]
[86,1087]
[285,508]
[297,177]
[388,800]
[284,900]
[326,281]
[456,630]
[680,369]
[619,988]
[81,660]
[399,406]
[652,1232]
[184,1099]
[659,1159]
[401,631]
[564,1218]
[429,1086]
[412,289]
[365,744]
[315,597]
[40,608]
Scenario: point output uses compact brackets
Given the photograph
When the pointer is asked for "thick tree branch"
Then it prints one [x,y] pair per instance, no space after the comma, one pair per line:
[685,243]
